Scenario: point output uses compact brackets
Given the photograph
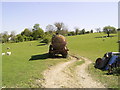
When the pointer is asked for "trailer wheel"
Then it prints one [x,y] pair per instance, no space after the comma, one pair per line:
[98,63]
[65,55]
[50,48]
[51,55]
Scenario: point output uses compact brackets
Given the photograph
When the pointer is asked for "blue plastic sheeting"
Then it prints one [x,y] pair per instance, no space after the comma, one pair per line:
[111,61]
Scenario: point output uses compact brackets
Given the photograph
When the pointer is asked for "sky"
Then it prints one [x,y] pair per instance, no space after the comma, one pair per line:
[119,14]
[16,16]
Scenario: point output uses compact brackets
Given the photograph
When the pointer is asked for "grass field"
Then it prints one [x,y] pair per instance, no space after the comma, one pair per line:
[20,71]
[93,46]
[119,35]
[0,65]
[110,81]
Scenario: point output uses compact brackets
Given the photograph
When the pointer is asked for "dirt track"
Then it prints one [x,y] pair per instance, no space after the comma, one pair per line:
[59,76]
[84,77]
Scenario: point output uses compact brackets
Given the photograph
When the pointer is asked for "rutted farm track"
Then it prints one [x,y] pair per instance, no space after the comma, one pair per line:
[60,76]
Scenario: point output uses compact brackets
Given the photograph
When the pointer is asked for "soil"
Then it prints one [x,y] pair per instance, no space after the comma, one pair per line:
[60,76]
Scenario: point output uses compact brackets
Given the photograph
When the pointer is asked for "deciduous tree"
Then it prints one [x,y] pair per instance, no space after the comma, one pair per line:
[109,30]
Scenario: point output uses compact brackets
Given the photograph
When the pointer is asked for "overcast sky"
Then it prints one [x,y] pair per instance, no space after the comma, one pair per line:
[16,16]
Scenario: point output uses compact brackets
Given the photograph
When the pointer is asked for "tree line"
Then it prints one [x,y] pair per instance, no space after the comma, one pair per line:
[38,33]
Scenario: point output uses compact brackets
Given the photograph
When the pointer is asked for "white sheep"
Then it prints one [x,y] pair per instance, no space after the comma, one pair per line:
[8,53]
[3,54]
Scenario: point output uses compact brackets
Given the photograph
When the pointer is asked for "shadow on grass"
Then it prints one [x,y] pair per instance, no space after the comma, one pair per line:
[39,57]
[106,36]
[41,44]
[43,56]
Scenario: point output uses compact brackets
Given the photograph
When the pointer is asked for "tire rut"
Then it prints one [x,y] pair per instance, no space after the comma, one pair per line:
[59,76]
[84,77]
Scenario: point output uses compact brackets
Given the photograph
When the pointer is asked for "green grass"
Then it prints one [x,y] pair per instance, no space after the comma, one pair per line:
[93,48]
[79,62]
[119,35]
[18,71]
[110,81]
[0,65]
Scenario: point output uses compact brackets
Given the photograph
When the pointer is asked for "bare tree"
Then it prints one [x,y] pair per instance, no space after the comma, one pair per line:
[59,26]
[77,30]
[98,30]
[50,28]
[12,33]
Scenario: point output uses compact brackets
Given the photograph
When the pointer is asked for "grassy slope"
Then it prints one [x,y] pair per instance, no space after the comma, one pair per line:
[0,65]
[119,35]
[110,81]
[18,71]
[92,48]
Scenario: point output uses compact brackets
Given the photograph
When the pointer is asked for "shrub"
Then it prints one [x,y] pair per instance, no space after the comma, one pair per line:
[20,38]
[46,40]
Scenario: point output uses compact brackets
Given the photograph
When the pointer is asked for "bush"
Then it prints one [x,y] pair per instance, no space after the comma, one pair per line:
[72,33]
[30,38]
[46,40]
[19,38]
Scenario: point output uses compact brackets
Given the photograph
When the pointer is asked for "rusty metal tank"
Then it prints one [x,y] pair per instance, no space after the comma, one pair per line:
[58,46]
[58,42]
